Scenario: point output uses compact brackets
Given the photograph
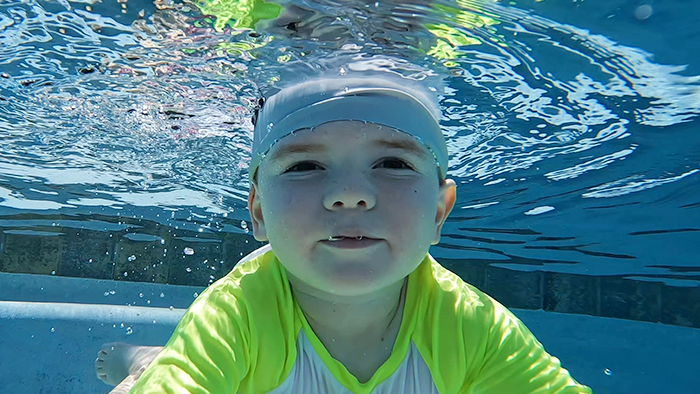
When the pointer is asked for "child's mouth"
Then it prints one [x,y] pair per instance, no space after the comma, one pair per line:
[350,242]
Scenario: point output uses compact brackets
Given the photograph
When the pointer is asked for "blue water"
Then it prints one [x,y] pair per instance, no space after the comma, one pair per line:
[572,126]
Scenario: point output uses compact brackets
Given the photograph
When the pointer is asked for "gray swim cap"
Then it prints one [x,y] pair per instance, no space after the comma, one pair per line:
[371,99]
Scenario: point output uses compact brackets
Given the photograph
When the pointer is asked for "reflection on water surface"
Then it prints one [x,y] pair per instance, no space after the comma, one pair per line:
[573,145]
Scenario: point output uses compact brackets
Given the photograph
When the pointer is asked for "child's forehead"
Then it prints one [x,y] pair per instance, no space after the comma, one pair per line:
[336,135]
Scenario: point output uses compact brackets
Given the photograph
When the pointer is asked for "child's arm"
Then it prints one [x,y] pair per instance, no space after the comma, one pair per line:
[124,386]
[207,353]
[516,363]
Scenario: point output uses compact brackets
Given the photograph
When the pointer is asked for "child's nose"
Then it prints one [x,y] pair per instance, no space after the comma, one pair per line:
[350,193]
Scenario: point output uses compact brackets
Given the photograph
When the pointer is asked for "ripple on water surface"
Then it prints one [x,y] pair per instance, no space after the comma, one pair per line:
[138,107]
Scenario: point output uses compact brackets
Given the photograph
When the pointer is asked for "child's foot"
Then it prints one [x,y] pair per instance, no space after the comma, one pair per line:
[118,360]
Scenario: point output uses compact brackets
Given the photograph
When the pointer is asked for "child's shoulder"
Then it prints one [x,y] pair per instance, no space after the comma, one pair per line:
[449,294]
[255,269]
[256,278]
[471,341]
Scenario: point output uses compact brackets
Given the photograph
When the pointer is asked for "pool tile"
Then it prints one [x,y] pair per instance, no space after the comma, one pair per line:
[195,261]
[87,254]
[237,246]
[471,271]
[570,293]
[141,260]
[515,289]
[30,252]
[630,299]
[681,306]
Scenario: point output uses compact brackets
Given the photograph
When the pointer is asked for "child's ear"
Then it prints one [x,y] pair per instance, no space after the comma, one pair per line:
[256,217]
[446,201]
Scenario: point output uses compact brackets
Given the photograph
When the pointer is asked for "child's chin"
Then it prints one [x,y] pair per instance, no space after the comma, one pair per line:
[355,284]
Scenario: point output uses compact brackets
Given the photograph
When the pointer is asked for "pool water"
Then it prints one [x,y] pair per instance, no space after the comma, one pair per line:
[125,138]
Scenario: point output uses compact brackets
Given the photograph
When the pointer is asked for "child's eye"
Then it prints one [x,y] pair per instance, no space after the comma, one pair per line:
[303,166]
[395,163]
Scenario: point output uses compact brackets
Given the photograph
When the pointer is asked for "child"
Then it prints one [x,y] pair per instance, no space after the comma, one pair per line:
[348,185]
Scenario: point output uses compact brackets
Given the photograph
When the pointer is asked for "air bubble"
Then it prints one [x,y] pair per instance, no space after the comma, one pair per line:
[132,258]
[188,251]
[643,12]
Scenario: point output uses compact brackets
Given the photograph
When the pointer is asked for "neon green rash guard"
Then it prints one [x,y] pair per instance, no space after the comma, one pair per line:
[246,334]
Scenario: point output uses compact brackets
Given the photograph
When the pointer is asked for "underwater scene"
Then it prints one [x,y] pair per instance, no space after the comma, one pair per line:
[572,126]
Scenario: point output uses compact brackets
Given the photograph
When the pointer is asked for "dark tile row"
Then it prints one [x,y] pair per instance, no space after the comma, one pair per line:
[606,296]
[184,259]
[190,258]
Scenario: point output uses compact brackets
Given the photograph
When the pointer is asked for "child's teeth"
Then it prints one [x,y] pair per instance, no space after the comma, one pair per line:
[341,238]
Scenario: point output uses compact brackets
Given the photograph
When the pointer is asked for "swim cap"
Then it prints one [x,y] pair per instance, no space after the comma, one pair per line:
[370,99]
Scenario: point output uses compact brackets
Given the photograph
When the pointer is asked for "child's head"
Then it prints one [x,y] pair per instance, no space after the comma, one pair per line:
[349,157]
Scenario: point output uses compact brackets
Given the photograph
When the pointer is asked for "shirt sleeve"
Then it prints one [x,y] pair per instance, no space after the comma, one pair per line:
[208,352]
[515,362]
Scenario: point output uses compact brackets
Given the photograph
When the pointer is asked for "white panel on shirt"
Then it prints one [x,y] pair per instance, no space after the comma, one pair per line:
[310,375]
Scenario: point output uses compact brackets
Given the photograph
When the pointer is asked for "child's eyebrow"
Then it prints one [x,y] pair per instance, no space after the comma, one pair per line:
[291,149]
[408,146]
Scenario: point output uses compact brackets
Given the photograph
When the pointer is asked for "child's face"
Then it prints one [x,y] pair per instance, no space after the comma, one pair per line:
[351,177]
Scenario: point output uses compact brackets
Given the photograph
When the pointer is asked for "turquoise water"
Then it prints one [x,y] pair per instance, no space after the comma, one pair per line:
[571,125]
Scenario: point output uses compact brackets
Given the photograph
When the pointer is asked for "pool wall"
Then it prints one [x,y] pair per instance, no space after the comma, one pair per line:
[136,250]
[49,343]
